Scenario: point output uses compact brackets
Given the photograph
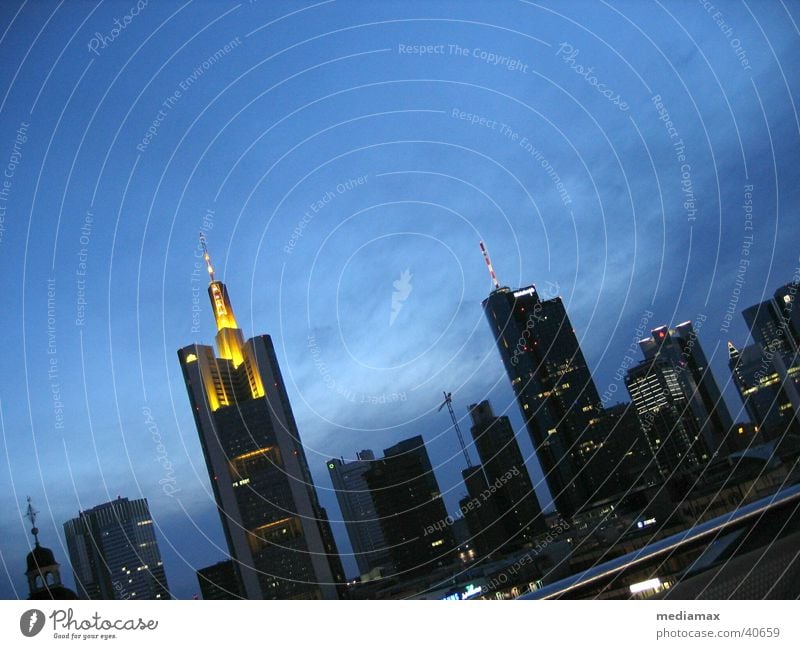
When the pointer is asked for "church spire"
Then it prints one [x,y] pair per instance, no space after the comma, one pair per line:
[44,576]
[31,514]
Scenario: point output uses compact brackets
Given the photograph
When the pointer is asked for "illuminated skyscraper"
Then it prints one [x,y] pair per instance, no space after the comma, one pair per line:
[767,373]
[681,347]
[277,533]
[672,433]
[114,553]
[553,385]
[775,323]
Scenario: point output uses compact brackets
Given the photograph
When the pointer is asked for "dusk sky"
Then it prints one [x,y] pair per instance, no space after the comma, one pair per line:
[344,159]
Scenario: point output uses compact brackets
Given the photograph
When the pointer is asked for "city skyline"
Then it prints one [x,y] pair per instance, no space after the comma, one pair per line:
[344,208]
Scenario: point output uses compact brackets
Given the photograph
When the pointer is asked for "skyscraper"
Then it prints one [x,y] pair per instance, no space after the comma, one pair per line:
[634,464]
[683,415]
[682,349]
[520,514]
[114,553]
[553,386]
[671,431]
[763,393]
[410,508]
[767,373]
[487,532]
[276,530]
[358,511]
[775,323]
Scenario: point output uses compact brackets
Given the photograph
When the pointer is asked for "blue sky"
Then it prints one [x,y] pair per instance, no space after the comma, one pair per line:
[458,118]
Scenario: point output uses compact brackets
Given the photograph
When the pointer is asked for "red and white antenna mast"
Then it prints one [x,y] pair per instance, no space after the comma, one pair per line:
[489,265]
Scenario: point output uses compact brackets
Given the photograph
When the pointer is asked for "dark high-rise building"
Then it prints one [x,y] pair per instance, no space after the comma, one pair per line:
[553,386]
[514,495]
[410,508]
[487,532]
[277,533]
[680,407]
[114,553]
[220,581]
[763,393]
[634,464]
[358,511]
[767,373]
[681,347]
[775,323]
[671,431]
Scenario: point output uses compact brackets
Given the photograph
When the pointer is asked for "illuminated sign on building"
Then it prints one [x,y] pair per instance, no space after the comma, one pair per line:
[468,593]
[526,291]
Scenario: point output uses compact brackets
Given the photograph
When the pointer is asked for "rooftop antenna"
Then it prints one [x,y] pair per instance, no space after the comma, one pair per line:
[489,265]
[448,401]
[206,256]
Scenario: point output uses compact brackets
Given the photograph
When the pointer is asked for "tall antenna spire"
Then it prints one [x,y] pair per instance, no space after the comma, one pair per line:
[31,514]
[489,265]
[206,256]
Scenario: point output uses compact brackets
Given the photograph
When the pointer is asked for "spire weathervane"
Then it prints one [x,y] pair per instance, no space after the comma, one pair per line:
[31,514]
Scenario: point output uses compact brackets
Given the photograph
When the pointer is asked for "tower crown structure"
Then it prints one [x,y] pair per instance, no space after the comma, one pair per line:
[229,338]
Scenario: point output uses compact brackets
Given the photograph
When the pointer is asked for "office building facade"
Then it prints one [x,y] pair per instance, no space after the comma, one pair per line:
[487,532]
[220,581]
[683,416]
[553,387]
[767,373]
[410,508]
[681,347]
[114,552]
[358,511]
[518,507]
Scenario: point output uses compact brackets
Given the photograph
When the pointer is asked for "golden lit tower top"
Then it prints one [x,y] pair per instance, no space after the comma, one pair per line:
[218,292]
[229,337]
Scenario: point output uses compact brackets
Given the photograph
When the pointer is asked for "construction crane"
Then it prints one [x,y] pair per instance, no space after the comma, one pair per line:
[448,401]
